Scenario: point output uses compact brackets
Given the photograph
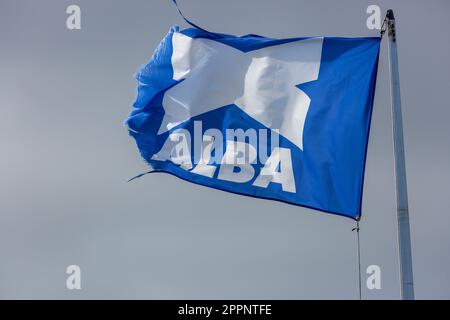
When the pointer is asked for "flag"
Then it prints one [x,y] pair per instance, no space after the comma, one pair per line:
[280,119]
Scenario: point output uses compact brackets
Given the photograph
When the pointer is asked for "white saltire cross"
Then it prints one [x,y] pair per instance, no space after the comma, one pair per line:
[262,83]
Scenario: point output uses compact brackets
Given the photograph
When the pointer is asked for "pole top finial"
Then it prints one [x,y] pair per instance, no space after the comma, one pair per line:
[390,14]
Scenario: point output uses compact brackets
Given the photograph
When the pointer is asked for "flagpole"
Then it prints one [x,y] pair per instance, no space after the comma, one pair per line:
[404,237]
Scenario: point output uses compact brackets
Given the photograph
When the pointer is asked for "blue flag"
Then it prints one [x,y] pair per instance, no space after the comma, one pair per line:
[280,119]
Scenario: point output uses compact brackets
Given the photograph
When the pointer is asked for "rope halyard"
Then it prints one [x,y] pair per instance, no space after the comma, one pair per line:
[190,22]
[384,26]
[359,259]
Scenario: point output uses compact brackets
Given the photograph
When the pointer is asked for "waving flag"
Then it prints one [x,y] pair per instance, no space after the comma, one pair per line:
[281,119]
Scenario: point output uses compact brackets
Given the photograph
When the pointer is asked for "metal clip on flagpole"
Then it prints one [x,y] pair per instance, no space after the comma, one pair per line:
[404,237]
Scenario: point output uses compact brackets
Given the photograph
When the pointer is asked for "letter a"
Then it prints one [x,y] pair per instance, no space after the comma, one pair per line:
[74,19]
[74,280]
[277,169]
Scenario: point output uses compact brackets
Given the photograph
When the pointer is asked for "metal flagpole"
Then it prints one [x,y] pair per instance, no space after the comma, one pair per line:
[404,237]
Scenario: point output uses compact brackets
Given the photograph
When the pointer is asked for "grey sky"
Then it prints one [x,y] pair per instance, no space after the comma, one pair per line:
[66,157]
